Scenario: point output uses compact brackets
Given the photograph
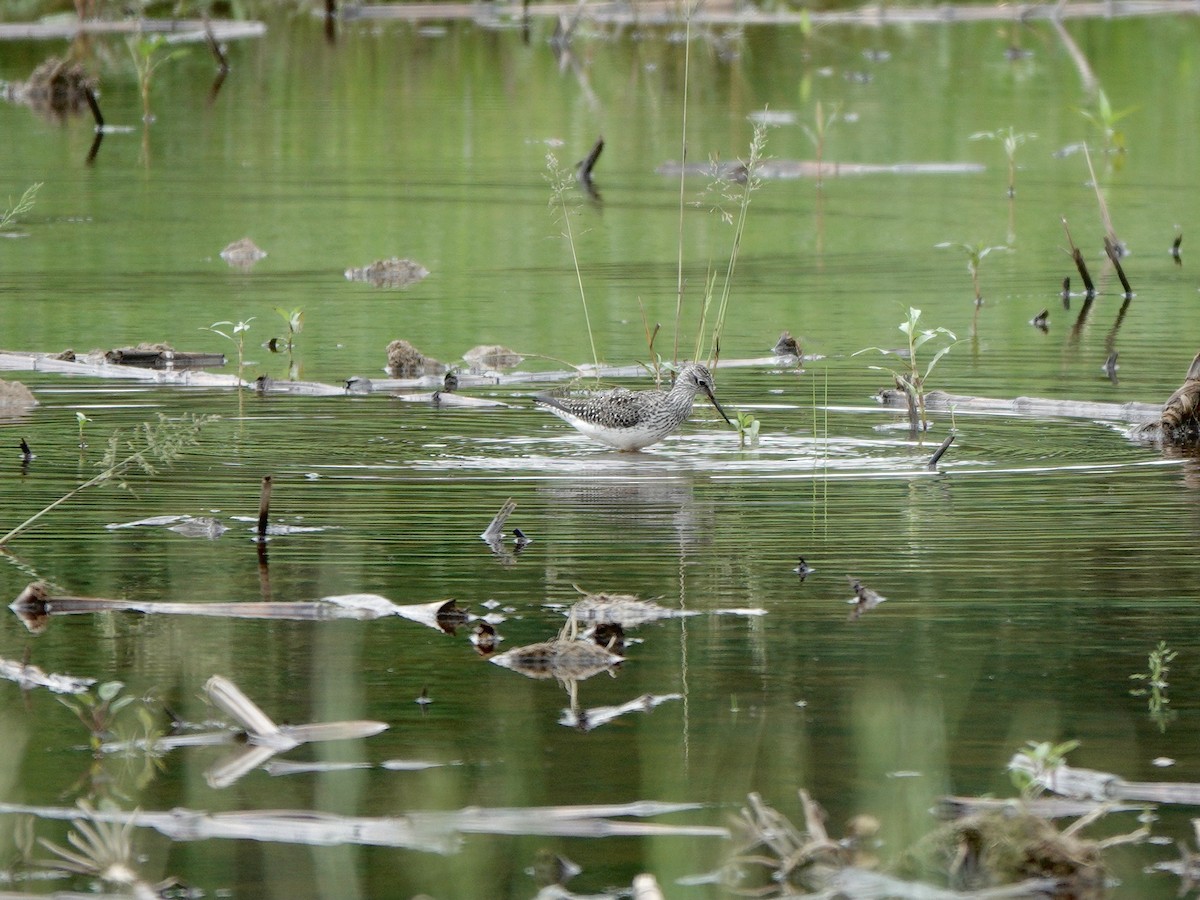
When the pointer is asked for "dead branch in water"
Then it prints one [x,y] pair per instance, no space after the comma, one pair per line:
[1089,287]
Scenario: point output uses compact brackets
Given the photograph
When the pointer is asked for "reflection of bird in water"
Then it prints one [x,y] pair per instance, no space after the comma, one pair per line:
[1180,420]
[631,420]
[864,600]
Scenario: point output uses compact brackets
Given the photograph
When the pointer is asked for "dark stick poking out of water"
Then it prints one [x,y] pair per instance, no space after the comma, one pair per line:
[264,507]
[94,106]
[1113,254]
[219,55]
[330,21]
[1089,287]
[583,170]
[215,47]
[941,451]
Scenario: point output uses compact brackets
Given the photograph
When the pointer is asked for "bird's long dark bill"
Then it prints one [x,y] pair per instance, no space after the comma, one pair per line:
[717,405]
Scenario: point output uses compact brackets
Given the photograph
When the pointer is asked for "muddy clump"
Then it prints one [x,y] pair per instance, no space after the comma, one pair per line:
[406,361]
[391,273]
[242,254]
[487,357]
[14,395]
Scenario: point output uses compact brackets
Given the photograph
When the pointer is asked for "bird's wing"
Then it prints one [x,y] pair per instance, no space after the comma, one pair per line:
[617,408]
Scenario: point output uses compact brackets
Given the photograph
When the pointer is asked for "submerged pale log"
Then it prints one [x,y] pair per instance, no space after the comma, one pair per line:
[179,30]
[432,832]
[1069,781]
[35,605]
[1131,413]
[1042,807]
[95,366]
[27,677]
[803,168]
[879,14]
[161,356]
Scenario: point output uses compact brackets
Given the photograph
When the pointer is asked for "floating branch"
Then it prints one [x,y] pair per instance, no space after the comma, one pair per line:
[35,605]
[1089,287]
[31,676]
[1069,781]
[1130,413]
[436,832]
[494,533]
[589,719]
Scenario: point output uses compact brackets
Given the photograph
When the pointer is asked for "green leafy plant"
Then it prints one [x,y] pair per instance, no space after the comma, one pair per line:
[1011,140]
[1105,119]
[1154,683]
[81,420]
[560,181]
[1044,760]
[747,427]
[912,380]
[236,335]
[294,321]
[149,52]
[976,253]
[18,209]
[162,443]
[97,711]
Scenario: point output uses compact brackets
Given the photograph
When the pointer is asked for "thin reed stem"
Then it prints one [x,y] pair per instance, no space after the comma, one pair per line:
[749,185]
[687,59]
[558,183]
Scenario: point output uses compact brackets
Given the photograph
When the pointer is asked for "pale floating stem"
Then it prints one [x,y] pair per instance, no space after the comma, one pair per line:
[228,697]
[163,442]
[495,531]
[57,503]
